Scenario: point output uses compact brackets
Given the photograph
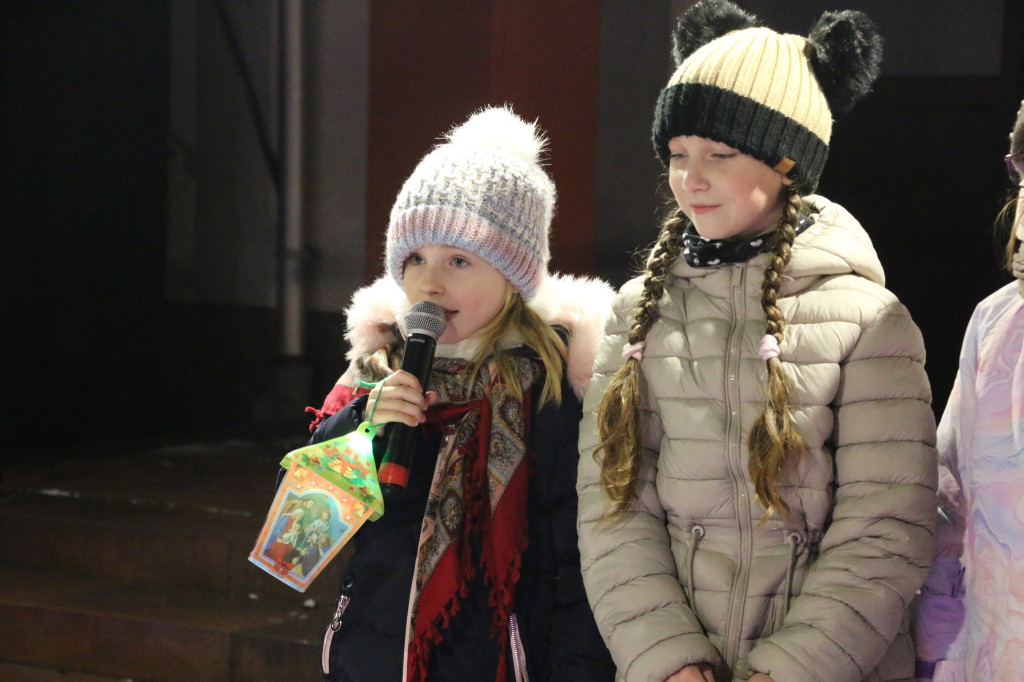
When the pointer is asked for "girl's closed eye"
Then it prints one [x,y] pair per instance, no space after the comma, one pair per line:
[678,161]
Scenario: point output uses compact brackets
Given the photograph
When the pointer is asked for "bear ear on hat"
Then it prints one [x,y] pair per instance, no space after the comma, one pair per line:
[705,21]
[845,53]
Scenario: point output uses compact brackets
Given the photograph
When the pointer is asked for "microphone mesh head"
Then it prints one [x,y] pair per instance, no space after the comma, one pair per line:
[425,318]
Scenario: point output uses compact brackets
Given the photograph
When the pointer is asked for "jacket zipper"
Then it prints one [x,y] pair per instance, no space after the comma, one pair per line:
[734,622]
[332,629]
[518,654]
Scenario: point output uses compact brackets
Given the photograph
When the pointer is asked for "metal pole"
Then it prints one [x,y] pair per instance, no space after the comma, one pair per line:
[292,285]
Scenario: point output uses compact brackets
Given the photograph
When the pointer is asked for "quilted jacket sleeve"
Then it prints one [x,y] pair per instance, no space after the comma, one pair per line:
[628,567]
[344,421]
[875,553]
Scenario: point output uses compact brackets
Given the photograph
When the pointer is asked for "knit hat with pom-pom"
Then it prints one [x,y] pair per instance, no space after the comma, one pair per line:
[767,94]
[482,190]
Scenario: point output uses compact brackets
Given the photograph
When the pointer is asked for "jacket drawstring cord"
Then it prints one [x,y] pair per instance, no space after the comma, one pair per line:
[696,533]
[794,539]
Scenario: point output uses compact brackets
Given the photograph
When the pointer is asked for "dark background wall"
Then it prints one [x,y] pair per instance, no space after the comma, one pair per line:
[83,123]
[95,351]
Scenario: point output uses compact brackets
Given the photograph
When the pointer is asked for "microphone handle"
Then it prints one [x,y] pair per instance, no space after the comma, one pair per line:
[393,475]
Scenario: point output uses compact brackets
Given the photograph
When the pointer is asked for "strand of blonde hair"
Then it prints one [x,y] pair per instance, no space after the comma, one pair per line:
[516,315]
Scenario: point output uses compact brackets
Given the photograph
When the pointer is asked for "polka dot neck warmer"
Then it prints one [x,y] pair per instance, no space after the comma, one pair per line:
[709,253]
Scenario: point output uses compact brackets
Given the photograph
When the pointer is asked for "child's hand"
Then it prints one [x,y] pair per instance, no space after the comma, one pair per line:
[399,398]
[698,672]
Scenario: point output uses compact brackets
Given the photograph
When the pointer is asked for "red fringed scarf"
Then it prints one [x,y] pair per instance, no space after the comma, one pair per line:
[479,488]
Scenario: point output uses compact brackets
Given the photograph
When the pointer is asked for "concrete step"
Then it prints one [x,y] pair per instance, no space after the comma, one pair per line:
[147,543]
[62,625]
[133,565]
[231,478]
[12,672]
[185,517]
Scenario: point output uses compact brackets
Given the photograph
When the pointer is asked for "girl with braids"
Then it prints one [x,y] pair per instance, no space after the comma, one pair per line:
[969,618]
[473,573]
[757,467]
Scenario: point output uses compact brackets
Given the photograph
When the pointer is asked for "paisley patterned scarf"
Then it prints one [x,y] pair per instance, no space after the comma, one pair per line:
[479,489]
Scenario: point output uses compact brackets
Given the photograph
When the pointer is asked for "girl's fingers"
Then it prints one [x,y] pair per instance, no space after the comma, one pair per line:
[403,378]
[403,394]
[397,399]
[386,416]
[386,411]
[400,387]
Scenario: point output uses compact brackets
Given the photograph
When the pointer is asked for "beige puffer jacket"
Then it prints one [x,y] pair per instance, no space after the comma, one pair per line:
[689,574]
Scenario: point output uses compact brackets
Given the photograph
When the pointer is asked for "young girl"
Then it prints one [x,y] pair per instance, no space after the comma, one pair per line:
[473,574]
[757,483]
[970,616]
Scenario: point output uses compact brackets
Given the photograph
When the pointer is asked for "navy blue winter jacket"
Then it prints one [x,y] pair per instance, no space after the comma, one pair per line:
[560,640]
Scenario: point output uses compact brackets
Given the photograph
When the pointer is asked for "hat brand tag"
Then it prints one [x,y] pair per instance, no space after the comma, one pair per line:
[785,165]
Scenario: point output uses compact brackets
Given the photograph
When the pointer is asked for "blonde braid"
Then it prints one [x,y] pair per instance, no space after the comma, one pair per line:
[619,415]
[773,438]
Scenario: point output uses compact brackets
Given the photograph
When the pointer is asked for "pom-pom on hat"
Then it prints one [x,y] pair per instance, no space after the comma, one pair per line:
[482,190]
[767,94]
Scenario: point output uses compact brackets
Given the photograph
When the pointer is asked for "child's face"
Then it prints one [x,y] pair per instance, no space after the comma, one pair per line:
[724,192]
[470,289]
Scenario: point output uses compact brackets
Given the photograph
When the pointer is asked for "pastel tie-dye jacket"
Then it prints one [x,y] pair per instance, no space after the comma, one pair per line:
[970,615]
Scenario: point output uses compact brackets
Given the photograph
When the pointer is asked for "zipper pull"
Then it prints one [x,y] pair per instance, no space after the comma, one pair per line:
[343,601]
[518,654]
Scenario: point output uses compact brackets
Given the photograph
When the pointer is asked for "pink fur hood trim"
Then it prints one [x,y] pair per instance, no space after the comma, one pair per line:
[580,304]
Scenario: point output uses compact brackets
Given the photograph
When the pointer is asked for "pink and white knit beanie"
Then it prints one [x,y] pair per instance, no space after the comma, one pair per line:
[482,190]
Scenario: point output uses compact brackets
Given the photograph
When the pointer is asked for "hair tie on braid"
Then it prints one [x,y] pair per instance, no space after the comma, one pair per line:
[634,350]
[769,347]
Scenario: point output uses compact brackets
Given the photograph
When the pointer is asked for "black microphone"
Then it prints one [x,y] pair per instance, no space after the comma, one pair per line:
[424,324]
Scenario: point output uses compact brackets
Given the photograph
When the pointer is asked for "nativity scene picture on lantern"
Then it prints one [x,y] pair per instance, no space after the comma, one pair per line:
[329,490]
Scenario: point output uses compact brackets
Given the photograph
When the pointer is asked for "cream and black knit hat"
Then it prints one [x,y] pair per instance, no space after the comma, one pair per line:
[767,94]
[484,191]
